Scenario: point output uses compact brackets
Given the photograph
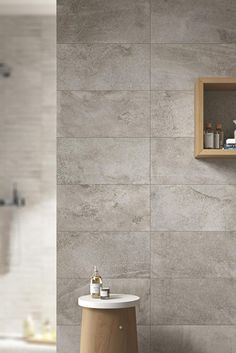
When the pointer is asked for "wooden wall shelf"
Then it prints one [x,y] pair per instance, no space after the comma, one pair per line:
[203,85]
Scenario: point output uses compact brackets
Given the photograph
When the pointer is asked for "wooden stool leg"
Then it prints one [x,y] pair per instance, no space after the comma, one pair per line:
[108,331]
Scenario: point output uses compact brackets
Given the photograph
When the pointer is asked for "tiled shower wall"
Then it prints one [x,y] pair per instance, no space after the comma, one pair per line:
[131,197]
[27,157]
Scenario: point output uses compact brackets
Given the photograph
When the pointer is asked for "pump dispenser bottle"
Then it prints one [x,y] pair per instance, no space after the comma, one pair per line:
[95,284]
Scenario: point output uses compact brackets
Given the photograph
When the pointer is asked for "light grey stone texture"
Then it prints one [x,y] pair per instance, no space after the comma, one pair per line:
[68,339]
[103,207]
[193,339]
[144,337]
[173,162]
[126,255]
[193,254]
[220,106]
[190,21]
[103,66]
[103,114]
[193,208]
[177,66]
[69,313]
[68,291]
[104,21]
[103,161]
[193,301]
[172,114]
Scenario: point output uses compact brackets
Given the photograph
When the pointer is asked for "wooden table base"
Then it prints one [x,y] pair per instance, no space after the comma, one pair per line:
[108,331]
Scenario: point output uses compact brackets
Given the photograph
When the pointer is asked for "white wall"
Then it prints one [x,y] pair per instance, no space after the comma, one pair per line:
[28,7]
[27,156]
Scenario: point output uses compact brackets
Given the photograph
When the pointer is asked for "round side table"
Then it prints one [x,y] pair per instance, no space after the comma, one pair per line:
[109,326]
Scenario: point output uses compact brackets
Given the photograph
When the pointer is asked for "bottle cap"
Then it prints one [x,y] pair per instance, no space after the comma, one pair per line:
[209,125]
[218,125]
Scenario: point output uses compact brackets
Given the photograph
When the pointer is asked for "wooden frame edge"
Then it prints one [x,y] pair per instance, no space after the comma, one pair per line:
[198,111]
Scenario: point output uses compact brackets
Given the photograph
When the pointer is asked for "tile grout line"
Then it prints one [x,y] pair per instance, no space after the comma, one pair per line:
[155,278]
[148,43]
[146,231]
[147,184]
[124,137]
[150,167]
[125,90]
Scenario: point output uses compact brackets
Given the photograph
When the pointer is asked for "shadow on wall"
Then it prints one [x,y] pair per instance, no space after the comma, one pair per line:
[172,340]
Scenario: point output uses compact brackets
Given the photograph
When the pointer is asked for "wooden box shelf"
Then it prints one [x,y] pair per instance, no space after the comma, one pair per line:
[216,87]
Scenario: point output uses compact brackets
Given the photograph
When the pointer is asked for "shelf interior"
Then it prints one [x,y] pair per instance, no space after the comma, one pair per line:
[220,107]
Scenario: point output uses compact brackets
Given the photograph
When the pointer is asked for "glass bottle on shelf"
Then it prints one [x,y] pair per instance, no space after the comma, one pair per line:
[219,136]
[209,136]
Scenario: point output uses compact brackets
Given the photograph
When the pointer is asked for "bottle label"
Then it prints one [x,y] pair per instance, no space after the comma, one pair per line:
[209,140]
[94,288]
[217,141]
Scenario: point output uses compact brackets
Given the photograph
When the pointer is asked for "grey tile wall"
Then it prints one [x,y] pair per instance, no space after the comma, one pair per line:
[103,161]
[131,196]
[103,66]
[177,66]
[192,339]
[193,301]
[106,21]
[204,254]
[134,262]
[172,162]
[203,21]
[193,208]
[103,207]
[118,114]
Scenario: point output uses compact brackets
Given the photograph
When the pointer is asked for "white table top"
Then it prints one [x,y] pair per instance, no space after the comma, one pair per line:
[116,301]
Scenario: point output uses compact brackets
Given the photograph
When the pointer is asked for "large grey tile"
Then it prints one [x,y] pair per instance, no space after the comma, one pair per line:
[189,21]
[68,291]
[197,207]
[193,339]
[144,337]
[193,254]
[103,207]
[117,254]
[173,162]
[172,114]
[68,339]
[140,287]
[69,313]
[103,161]
[103,66]
[103,114]
[105,21]
[193,301]
[177,66]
